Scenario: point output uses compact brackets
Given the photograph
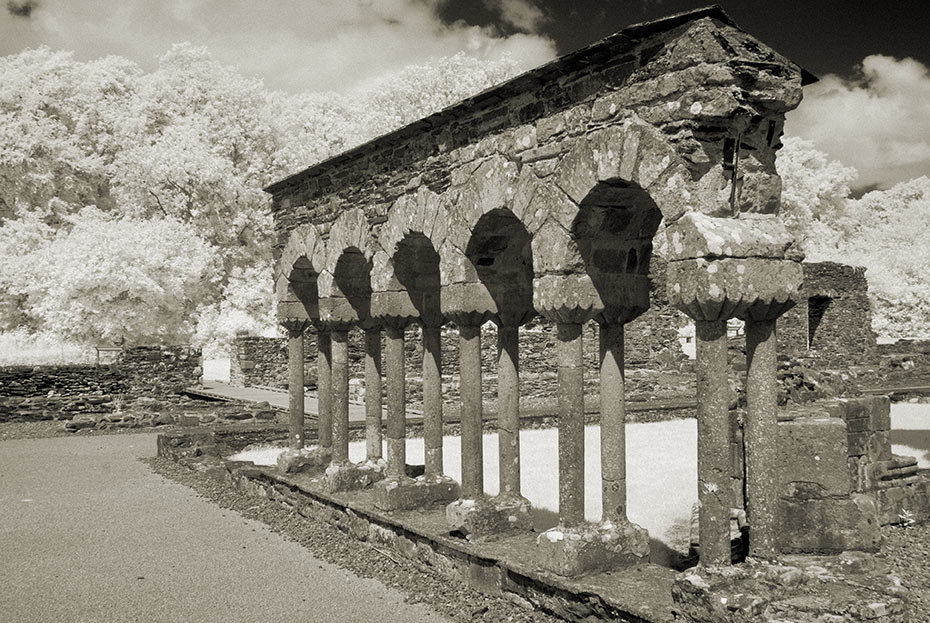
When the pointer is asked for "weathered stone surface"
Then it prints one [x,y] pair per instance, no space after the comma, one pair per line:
[719,289]
[486,519]
[812,458]
[697,235]
[847,588]
[305,460]
[394,494]
[589,548]
[829,525]
[352,476]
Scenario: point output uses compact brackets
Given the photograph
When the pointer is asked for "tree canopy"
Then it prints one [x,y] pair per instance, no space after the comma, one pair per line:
[183,151]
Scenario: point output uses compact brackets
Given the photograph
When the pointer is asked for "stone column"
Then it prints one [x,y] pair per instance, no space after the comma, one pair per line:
[713,398]
[340,393]
[571,424]
[324,387]
[508,409]
[471,413]
[396,402]
[760,435]
[373,401]
[295,382]
[432,401]
[613,424]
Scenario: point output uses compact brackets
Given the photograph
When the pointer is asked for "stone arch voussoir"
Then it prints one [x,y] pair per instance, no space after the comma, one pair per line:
[349,231]
[303,242]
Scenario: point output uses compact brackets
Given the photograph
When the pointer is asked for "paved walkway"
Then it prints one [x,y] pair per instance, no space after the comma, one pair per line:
[90,534]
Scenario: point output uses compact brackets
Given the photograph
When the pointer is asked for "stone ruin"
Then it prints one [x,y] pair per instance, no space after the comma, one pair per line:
[542,197]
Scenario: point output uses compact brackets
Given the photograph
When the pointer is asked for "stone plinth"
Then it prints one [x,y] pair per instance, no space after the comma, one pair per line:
[588,548]
[353,476]
[402,493]
[305,460]
[485,519]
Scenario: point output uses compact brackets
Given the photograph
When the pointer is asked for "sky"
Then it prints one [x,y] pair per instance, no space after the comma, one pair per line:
[870,110]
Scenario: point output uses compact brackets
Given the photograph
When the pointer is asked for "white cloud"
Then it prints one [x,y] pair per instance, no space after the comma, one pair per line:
[310,45]
[523,15]
[878,123]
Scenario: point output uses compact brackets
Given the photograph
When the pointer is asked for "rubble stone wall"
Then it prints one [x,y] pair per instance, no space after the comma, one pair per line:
[61,392]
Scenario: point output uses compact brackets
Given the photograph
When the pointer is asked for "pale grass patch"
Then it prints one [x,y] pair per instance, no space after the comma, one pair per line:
[21,348]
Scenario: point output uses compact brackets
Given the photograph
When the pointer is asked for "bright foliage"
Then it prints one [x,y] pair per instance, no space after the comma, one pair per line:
[183,151]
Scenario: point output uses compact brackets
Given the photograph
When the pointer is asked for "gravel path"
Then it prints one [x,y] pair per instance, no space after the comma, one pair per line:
[908,552]
[455,601]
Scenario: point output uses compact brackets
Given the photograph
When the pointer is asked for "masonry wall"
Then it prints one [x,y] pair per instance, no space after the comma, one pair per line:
[833,319]
[61,392]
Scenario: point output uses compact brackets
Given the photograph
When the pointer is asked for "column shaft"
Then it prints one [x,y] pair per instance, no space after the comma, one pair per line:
[432,400]
[571,424]
[471,414]
[295,386]
[713,397]
[508,409]
[324,388]
[759,434]
[396,403]
[373,401]
[340,404]
[613,424]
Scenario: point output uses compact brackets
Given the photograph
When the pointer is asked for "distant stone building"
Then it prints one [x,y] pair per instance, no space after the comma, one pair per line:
[832,318]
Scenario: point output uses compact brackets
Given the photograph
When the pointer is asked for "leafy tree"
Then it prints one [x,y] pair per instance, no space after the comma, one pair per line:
[110,279]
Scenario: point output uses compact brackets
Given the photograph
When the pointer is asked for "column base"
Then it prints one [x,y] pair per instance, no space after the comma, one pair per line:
[352,476]
[485,519]
[305,460]
[397,494]
[587,548]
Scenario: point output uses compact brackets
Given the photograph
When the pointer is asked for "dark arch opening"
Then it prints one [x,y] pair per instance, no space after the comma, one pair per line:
[614,228]
[352,281]
[500,250]
[416,265]
[303,285]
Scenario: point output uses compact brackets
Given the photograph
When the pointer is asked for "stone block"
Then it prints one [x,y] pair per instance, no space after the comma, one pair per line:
[828,525]
[352,476]
[305,460]
[395,494]
[900,504]
[572,552]
[880,414]
[858,443]
[812,452]
[879,446]
[486,519]
[696,235]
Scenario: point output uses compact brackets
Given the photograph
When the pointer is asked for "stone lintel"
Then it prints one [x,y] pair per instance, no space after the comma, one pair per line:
[393,309]
[396,494]
[292,310]
[696,235]
[719,289]
[589,548]
[307,460]
[487,519]
[352,476]
[338,313]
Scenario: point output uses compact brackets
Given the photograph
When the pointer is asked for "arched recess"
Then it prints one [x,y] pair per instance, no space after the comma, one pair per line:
[613,232]
[297,274]
[349,300]
[500,252]
[416,267]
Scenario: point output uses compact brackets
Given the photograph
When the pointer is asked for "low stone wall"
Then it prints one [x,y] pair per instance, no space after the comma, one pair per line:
[838,480]
[63,392]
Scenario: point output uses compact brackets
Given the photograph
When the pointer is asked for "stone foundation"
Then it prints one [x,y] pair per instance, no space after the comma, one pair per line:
[486,519]
[396,494]
[574,552]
